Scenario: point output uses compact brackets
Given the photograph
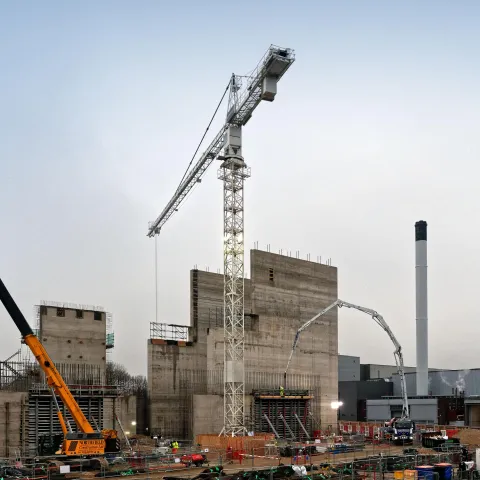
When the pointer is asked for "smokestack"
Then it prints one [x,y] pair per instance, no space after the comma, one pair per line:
[421,306]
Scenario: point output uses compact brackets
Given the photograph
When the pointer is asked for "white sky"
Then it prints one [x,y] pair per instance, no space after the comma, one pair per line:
[374,127]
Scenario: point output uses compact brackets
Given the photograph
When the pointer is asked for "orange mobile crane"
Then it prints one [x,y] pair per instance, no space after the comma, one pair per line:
[86,441]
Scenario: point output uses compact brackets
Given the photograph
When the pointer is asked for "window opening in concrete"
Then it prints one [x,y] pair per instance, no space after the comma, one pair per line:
[270,274]
[60,312]
[79,314]
[97,315]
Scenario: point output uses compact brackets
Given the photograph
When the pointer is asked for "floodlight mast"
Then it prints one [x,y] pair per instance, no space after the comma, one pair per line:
[261,84]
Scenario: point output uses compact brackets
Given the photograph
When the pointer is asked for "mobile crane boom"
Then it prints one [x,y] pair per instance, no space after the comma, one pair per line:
[88,441]
[383,324]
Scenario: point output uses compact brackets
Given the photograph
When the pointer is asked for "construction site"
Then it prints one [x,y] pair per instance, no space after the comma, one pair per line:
[252,386]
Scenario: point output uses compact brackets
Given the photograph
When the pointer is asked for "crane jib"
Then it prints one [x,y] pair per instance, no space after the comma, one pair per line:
[14,311]
[272,66]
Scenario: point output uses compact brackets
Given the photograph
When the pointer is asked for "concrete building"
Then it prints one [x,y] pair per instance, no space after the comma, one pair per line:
[77,338]
[185,364]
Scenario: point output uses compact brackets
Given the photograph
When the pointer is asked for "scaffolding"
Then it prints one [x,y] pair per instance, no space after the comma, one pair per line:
[169,331]
[286,413]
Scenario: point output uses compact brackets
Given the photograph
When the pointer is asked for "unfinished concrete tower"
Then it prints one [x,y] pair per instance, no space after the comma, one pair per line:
[421,293]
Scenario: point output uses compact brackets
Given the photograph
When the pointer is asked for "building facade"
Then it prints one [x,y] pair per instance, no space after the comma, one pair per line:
[185,370]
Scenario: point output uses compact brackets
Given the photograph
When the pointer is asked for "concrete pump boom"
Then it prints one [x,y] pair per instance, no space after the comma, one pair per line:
[382,323]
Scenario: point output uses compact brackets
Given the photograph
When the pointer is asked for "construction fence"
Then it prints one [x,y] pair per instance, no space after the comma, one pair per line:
[394,465]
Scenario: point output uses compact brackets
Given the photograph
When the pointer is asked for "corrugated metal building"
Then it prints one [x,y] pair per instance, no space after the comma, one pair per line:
[444,382]
[348,368]
[355,394]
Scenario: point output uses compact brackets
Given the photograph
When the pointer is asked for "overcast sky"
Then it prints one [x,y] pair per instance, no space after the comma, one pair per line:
[375,126]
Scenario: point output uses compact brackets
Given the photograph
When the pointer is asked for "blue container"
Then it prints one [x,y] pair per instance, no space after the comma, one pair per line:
[425,472]
[444,471]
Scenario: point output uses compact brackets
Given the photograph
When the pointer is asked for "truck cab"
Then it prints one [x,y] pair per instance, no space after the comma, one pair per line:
[403,430]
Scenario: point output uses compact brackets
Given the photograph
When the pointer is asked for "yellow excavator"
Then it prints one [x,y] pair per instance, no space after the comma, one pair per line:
[86,441]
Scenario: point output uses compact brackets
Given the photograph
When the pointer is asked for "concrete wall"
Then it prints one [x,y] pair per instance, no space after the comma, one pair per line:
[207,414]
[126,409]
[275,309]
[74,341]
[13,422]
[348,368]
[174,374]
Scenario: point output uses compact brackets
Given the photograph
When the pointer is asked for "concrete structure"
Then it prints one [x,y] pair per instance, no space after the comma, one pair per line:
[282,294]
[13,422]
[421,301]
[348,368]
[77,339]
[75,336]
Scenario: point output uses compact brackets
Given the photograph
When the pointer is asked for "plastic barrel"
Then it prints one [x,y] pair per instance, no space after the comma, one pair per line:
[444,471]
[425,472]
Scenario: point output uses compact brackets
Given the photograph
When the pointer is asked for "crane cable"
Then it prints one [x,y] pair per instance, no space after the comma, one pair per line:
[203,137]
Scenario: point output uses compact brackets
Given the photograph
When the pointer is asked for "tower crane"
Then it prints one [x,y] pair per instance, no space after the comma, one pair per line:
[260,85]
[383,324]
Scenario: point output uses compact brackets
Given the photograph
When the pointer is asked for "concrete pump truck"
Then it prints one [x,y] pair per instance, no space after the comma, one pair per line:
[400,430]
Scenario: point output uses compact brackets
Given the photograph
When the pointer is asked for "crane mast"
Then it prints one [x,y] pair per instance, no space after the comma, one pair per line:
[261,84]
[379,320]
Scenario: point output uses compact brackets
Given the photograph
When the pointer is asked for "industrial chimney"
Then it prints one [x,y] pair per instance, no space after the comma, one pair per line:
[421,292]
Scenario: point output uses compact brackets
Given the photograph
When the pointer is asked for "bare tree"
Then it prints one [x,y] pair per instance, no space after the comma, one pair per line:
[118,375]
